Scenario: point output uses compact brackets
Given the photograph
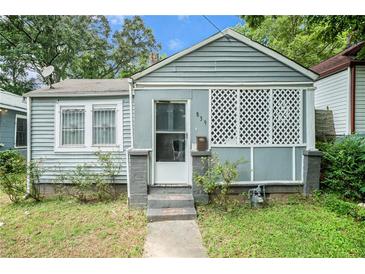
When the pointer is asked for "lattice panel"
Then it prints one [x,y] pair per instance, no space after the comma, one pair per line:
[254,116]
[224,116]
[287,124]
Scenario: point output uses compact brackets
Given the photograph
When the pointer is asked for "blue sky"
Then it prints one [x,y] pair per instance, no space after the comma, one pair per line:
[176,33]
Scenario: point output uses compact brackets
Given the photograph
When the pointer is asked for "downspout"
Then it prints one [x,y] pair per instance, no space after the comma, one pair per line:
[29,132]
[131,93]
[353,101]
[130,86]
[310,119]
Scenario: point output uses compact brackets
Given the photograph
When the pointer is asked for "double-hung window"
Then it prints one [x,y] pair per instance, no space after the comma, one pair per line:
[20,131]
[72,126]
[104,126]
[88,126]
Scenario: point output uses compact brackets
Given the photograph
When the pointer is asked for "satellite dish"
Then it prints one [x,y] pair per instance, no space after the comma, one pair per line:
[47,71]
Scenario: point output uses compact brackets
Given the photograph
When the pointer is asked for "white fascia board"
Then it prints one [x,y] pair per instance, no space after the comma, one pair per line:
[239,37]
[199,85]
[13,108]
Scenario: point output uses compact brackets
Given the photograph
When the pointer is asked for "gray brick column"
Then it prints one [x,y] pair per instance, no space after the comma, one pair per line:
[138,178]
[312,169]
[198,168]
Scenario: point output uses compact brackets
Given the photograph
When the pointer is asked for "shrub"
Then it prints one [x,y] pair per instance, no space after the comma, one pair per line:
[13,174]
[218,177]
[335,203]
[11,161]
[81,184]
[34,173]
[85,185]
[343,167]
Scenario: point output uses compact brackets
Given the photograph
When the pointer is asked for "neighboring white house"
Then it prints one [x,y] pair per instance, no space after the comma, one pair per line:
[341,88]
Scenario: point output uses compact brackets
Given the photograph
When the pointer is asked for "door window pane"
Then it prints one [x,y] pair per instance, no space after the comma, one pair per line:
[73,126]
[170,147]
[104,128]
[170,117]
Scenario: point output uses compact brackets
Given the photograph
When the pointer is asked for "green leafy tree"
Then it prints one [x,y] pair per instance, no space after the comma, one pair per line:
[77,46]
[353,25]
[294,37]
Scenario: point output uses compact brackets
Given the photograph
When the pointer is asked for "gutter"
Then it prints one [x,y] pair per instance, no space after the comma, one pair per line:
[29,132]
[352,96]
[130,85]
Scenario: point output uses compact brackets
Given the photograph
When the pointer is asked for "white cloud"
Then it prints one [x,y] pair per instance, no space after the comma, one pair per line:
[183,17]
[175,44]
[116,19]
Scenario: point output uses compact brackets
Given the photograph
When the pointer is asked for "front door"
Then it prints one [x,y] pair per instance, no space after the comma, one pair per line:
[171,142]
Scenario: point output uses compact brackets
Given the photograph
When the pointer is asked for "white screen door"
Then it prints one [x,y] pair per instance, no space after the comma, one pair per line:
[171,143]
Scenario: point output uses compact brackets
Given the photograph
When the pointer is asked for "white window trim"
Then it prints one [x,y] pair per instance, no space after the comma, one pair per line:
[88,105]
[15,130]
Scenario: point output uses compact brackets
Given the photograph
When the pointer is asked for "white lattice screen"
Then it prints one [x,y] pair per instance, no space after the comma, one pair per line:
[256,116]
[224,120]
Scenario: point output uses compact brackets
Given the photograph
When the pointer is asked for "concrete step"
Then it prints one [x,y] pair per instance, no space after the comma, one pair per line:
[170,189]
[170,200]
[170,214]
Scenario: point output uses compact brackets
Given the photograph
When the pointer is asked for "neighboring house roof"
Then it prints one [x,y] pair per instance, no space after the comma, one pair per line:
[338,62]
[83,87]
[307,72]
[12,101]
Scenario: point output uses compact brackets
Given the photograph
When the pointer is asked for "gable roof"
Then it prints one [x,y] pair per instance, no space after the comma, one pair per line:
[12,101]
[338,62]
[229,32]
[83,87]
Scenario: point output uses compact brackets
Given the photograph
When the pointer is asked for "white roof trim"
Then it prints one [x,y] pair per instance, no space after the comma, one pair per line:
[12,101]
[239,37]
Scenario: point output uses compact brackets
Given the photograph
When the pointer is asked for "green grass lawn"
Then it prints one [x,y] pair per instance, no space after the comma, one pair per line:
[304,229]
[66,228]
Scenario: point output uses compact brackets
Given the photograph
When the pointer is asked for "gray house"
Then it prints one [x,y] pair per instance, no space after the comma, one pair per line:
[13,122]
[227,95]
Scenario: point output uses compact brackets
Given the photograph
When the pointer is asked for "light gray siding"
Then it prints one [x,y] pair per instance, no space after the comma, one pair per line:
[360,100]
[332,92]
[225,60]
[43,142]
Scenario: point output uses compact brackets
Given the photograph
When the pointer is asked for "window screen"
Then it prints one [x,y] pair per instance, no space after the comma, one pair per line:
[104,127]
[73,126]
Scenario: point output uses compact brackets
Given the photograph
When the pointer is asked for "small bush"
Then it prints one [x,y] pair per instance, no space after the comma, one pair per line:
[218,177]
[13,174]
[336,204]
[34,173]
[11,161]
[88,186]
[82,184]
[343,167]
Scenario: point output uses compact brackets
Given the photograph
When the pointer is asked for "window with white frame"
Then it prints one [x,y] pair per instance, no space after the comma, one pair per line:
[104,125]
[245,117]
[72,126]
[88,125]
[20,131]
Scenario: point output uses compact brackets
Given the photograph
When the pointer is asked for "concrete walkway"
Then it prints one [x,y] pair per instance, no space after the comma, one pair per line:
[174,239]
